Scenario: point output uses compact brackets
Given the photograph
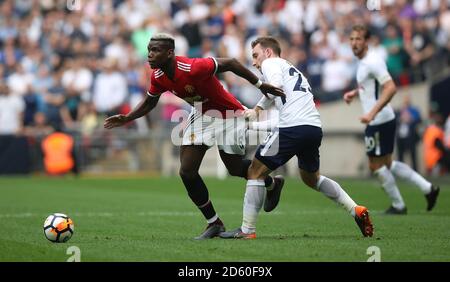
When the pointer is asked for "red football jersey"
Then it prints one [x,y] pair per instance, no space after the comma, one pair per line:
[194,82]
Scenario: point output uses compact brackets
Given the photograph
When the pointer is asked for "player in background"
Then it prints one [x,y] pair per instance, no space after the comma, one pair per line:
[193,80]
[375,89]
[299,133]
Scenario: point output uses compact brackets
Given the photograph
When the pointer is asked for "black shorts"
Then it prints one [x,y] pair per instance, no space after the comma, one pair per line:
[281,145]
[380,139]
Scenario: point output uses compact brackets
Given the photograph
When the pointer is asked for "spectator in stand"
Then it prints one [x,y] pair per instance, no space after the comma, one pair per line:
[443,33]
[34,103]
[436,155]
[420,49]
[394,46]
[19,81]
[77,78]
[408,120]
[447,132]
[110,89]
[314,66]
[36,33]
[59,153]
[11,112]
[336,77]
[54,99]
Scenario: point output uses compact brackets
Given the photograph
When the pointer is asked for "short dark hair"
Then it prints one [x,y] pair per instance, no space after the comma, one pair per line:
[165,38]
[363,28]
[268,42]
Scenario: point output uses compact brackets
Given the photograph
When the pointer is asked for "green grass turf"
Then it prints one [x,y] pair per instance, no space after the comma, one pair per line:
[152,219]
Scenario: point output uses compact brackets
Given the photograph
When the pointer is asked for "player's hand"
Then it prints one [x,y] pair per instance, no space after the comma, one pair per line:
[348,96]
[115,121]
[270,89]
[250,114]
[367,118]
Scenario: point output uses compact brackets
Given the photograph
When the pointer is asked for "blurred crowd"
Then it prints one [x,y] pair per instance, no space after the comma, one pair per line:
[68,64]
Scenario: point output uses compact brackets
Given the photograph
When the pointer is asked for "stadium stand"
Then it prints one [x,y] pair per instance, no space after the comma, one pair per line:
[76,62]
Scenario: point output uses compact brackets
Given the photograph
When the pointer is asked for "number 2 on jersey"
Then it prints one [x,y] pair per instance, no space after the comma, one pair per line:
[298,84]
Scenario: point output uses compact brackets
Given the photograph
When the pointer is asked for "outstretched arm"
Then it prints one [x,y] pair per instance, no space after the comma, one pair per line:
[143,108]
[233,65]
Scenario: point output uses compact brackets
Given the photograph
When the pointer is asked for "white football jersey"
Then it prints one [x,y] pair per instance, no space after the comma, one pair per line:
[371,75]
[298,107]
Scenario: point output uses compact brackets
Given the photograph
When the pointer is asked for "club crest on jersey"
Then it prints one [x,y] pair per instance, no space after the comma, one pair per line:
[192,137]
[189,89]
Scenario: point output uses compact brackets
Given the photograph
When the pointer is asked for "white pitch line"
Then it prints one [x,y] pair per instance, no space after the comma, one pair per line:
[157,213]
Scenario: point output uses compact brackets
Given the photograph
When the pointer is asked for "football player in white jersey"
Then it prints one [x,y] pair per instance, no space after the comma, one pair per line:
[375,89]
[298,133]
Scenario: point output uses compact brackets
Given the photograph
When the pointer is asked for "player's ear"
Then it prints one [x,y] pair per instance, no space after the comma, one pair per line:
[170,52]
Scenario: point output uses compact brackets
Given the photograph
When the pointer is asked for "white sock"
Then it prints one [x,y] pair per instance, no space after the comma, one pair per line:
[403,171]
[212,219]
[253,202]
[334,191]
[390,187]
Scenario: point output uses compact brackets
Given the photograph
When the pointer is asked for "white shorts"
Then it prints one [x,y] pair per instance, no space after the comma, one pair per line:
[229,134]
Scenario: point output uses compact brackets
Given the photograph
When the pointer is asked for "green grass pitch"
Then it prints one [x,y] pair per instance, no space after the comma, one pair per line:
[152,219]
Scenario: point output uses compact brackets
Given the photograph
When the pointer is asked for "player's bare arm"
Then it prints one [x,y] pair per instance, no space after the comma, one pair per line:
[349,95]
[233,65]
[389,90]
[143,108]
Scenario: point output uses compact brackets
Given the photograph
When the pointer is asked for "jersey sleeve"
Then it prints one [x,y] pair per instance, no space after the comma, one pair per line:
[272,72]
[203,68]
[264,103]
[155,89]
[380,72]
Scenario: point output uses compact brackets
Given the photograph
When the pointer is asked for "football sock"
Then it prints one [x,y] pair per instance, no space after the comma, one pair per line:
[390,187]
[253,202]
[334,191]
[208,212]
[198,193]
[403,171]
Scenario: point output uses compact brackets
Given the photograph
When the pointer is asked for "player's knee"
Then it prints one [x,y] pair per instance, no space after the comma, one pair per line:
[254,173]
[310,180]
[311,183]
[186,173]
[375,166]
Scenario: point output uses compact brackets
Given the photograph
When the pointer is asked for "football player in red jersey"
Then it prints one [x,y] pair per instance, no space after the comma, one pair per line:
[193,80]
